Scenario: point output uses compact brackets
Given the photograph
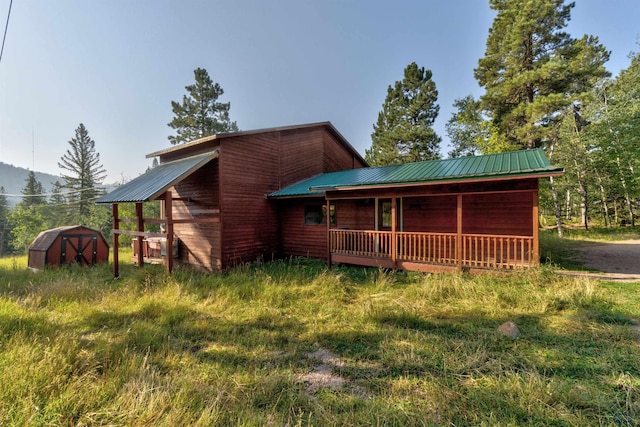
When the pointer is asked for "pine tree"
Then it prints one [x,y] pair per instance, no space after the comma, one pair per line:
[86,173]
[4,226]
[532,68]
[404,132]
[465,127]
[57,213]
[200,114]
[27,219]
[33,191]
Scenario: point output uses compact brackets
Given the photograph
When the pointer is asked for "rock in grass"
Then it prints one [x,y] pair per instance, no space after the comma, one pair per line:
[509,329]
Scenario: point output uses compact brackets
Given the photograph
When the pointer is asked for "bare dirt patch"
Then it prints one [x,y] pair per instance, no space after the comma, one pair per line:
[324,375]
[622,257]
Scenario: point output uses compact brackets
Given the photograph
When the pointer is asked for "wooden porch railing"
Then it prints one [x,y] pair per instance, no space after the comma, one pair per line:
[427,247]
[362,243]
[490,251]
[477,250]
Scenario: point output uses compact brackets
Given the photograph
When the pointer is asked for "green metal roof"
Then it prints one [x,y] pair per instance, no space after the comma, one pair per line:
[509,164]
[156,181]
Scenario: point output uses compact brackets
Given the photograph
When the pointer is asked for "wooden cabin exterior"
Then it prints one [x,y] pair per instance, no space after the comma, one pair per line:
[305,191]
[215,190]
[454,214]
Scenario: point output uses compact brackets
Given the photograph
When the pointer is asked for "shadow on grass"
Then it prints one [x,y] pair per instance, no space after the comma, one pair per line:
[155,329]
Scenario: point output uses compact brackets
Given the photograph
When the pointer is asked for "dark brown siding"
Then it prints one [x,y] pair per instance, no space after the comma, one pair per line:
[336,158]
[200,246]
[249,168]
[435,214]
[199,198]
[502,214]
[300,155]
[298,238]
[355,214]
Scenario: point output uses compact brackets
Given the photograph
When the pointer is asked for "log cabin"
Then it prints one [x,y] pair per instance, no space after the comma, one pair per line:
[305,191]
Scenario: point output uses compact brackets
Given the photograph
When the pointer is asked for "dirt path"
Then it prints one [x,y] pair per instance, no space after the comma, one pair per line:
[621,257]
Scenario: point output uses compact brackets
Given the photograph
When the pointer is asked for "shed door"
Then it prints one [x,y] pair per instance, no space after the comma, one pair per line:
[79,248]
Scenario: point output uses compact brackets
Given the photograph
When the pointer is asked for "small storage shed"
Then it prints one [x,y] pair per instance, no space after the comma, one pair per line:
[67,245]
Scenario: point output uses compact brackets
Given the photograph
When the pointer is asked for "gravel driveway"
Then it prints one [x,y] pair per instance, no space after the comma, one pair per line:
[621,257]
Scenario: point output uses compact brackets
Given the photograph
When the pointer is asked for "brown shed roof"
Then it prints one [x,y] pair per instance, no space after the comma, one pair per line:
[45,239]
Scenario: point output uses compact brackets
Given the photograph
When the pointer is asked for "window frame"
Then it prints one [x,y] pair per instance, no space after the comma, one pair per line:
[322,211]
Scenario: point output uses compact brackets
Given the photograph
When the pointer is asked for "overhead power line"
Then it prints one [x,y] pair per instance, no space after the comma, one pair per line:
[61,193]
[4,38]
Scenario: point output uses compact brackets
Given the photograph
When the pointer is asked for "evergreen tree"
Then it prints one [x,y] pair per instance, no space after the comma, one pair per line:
[465,128]
[85,174]
[57,212]
[27,219]
[33,192]
[532,68]
[200,114]
[404,132]
[4,226]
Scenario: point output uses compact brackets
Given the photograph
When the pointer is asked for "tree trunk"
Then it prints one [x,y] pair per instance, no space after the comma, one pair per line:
[567,206]
[554,194]
[627,198]
[603,200]
[584,209]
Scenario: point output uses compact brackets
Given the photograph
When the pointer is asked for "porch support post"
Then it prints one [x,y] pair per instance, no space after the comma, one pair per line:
[328,219]
[536,230]
[140,229]
[168,209]
[394,238]
[459,234]
[116,227]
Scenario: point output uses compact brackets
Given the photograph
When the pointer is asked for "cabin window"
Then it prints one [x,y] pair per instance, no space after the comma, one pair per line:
[386,214]
[317,214]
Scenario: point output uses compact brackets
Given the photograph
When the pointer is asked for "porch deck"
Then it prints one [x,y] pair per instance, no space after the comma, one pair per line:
[431,251]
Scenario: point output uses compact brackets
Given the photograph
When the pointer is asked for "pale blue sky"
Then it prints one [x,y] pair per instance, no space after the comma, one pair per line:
[116,65]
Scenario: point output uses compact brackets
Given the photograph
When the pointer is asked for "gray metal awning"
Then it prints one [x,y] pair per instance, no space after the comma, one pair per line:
[152,184]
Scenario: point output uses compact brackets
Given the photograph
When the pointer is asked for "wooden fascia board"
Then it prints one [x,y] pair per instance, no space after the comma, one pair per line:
[433,183]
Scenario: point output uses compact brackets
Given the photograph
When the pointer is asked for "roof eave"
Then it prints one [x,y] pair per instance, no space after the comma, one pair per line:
[483,178]
[328,125]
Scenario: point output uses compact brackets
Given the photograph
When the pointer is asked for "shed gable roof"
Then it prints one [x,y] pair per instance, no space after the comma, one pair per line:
[524,163]
[150,185]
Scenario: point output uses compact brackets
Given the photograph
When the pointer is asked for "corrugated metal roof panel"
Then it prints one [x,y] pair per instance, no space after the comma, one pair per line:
[513,163]
[156,181]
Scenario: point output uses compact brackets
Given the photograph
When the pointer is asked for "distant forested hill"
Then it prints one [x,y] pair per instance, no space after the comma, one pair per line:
[13,179]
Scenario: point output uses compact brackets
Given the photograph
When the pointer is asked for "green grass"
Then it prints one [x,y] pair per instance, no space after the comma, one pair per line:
[79,348]
[603,234]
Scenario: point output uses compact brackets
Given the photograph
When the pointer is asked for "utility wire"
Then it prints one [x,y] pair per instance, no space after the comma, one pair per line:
[5,30]
[61,193]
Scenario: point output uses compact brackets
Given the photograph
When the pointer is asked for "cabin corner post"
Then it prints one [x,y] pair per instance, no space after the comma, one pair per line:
[394,229]
[459,233]
[116,226]
[140,239]
[535,262]
[328,219]
[168,203]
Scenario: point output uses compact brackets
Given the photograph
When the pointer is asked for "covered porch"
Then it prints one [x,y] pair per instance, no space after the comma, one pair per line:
[424,230]
[187,202]
[473,213]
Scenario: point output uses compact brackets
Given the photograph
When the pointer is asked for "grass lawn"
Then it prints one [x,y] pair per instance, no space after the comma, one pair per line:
[251,347]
